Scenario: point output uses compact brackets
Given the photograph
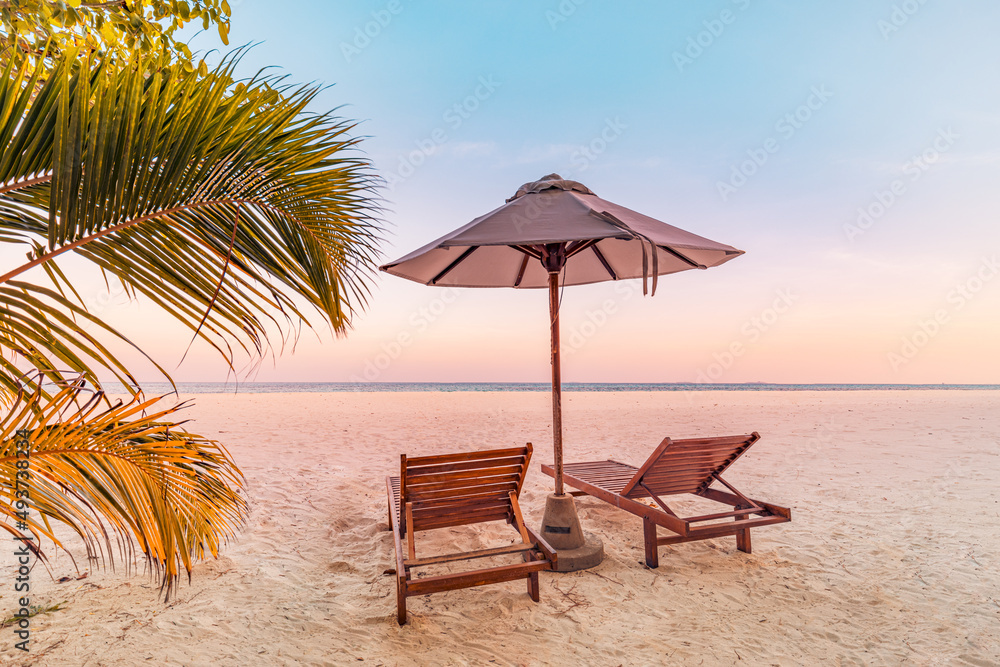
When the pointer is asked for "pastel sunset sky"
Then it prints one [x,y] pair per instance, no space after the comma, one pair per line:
[852,149]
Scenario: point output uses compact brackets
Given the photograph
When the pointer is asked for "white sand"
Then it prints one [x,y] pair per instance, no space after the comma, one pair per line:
[892,557]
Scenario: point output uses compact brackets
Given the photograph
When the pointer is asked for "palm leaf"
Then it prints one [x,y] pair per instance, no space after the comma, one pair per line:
[42,330]
[124,473]
[227,204]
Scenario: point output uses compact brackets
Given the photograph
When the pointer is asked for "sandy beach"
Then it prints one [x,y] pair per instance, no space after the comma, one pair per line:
[891,557]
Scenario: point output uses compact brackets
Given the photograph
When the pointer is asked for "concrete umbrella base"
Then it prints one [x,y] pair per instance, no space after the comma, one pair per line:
[576,549]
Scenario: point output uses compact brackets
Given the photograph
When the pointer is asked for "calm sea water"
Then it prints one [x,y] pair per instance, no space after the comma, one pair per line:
[314,387]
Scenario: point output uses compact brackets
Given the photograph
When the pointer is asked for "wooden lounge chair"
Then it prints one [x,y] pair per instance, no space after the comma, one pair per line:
[677,467]
[456,490]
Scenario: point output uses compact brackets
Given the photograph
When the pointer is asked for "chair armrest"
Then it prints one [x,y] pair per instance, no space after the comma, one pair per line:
[394,519]
[543,546]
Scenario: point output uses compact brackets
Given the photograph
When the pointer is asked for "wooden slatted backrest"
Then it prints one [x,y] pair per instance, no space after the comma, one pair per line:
[459,489]
[687,466]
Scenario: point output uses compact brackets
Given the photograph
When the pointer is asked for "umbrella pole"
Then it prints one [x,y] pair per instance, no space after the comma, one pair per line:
[560,524]
[556,381]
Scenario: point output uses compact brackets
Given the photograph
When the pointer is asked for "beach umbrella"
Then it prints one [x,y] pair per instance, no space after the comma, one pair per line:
[552,233]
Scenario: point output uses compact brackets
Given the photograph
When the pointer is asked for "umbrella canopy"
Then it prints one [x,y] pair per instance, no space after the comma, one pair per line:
[601,241]
[556,232]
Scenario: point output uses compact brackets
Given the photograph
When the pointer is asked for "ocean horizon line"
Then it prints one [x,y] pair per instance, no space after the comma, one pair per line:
[362,387]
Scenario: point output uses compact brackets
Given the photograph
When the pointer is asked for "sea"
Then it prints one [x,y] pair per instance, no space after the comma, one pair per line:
[318,387]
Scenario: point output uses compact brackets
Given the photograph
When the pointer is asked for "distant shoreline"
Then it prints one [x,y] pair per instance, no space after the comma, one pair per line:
[368,387]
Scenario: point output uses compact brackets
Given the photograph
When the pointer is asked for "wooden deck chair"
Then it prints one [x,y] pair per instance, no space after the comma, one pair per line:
[456,490]
[677,467]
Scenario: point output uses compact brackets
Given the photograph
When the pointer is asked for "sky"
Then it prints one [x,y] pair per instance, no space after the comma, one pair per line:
[851,149]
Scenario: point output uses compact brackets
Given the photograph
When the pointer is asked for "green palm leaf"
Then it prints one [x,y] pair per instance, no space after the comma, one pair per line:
[227,204]
[45,331]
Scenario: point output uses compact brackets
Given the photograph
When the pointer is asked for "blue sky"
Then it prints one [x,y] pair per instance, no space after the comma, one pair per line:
[889,107]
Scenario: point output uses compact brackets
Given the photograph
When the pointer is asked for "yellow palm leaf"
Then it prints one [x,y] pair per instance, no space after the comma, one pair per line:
[123,471]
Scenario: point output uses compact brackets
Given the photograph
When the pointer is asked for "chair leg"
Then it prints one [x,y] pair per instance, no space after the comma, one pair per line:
[533,586]
[401,601]
[532,578]
[743,540]
[649,538]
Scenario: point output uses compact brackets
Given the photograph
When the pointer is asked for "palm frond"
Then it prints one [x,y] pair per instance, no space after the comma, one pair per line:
[126,473]
[226,203]
[44,331]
